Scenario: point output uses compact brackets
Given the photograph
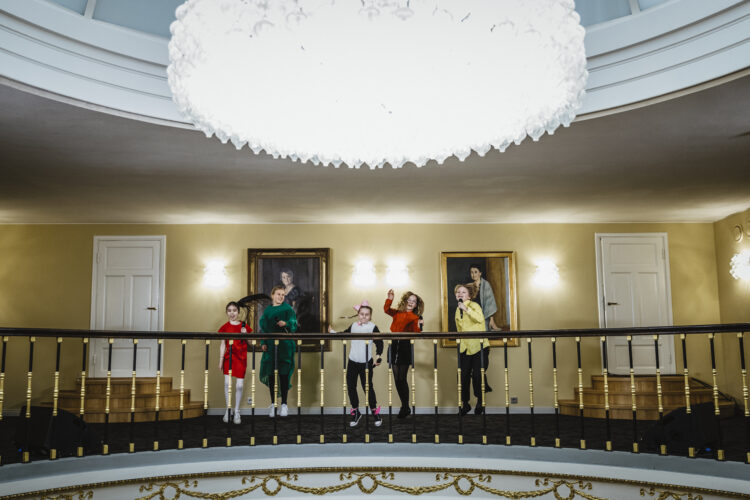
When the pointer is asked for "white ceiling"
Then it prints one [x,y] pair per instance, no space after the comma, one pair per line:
[685,159]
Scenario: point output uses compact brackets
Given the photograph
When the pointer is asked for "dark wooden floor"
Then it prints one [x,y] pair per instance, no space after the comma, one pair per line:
[734,432]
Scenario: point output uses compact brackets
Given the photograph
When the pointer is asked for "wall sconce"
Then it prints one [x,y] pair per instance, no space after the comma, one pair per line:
[364,274]
[215,274]
[397,274]
[740,265]
[547,274]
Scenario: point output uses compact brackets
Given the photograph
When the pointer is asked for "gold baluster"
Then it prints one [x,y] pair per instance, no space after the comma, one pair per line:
[299,388]
[252,395]
[344,403]
[659,395]
[204,442]
[413,392]
[507,393]
[435,386]
[108,395]
[2,383]
[717,408]
[56,393]
[633,402]
[686,376]
[367,392]
[82,410]
[390,396]
[531,393]
[26,457]
[555,391]
[580,391]
[458,392]
[131,445]
[745,394]
[180,442]
[605,376]
[322,389]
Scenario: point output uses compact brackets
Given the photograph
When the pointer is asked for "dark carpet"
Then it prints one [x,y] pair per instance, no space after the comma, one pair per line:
[734,433]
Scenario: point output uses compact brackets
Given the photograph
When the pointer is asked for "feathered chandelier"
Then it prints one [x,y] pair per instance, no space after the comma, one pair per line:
[375,82]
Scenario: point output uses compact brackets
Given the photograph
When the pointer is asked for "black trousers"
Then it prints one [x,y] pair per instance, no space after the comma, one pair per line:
[356,371]
[471,373]
[402,387]
[283,387]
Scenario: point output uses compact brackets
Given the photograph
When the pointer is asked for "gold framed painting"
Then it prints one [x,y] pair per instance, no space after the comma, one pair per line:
[494,277]
[304,275]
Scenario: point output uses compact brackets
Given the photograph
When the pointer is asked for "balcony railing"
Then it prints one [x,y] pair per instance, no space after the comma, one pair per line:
[702,340]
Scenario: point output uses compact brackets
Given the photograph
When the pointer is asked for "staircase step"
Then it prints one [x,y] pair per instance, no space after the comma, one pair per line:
[625,412]
[169,399]
[119,415]
[121,385]
[643,383]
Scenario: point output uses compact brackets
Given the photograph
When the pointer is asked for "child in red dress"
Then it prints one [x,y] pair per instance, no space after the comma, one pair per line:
[239,360]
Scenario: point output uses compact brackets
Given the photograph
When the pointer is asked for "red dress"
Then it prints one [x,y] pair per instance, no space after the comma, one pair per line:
[239,350]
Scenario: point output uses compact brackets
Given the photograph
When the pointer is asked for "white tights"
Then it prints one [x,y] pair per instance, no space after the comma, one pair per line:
[239,385]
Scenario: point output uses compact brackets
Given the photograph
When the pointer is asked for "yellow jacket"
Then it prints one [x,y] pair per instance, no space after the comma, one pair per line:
[472,321]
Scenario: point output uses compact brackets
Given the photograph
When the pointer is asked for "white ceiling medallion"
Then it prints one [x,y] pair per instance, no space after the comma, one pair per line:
[377,81]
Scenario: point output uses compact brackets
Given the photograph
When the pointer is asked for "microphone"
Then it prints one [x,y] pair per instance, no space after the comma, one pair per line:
[460,301]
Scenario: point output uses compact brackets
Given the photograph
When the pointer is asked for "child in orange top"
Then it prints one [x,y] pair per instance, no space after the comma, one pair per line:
[407,318]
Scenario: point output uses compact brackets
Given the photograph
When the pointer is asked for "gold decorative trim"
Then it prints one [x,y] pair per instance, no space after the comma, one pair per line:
[368,479]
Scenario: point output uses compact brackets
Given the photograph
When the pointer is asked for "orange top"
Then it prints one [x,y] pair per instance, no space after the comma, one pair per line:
[403,321]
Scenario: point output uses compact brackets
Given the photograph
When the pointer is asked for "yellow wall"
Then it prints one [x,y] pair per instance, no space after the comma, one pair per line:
[45,281]
[734,295]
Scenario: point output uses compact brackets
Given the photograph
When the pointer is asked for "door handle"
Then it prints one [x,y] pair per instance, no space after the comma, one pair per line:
[613,303]
[151,308]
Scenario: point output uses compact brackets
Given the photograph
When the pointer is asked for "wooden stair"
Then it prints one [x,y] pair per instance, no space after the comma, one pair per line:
[119,405]
[673,397]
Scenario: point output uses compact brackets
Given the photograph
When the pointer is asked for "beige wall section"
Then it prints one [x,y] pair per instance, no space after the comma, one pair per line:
[734,295]
[46,282]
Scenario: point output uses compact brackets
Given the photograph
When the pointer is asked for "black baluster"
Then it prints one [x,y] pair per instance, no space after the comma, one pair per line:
[390,392]
[367,391]
[299,391]
[507,393]
[157,401]
[252,393]
[662,446]
[322,393]
[483,401]
[688,409]
[2,385]
[555,390]
[532,441]
[276,391]
[458,387]
[717,408]
[180,441]
[745,396]
[108,397]
[82,409]
[55,398]
[204,418]
[131,443]
[633,395]
[435,389]
[580,395]
[413,396]
[605,373]
[344,423]
[26,456]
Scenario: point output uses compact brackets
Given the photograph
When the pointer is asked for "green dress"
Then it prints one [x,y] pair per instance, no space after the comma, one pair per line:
[267,323]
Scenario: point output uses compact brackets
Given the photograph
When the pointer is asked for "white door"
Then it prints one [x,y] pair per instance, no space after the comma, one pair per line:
[634,290]
[127,294]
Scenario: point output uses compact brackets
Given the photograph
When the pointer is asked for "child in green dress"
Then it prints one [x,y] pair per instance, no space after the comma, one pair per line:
[279,317]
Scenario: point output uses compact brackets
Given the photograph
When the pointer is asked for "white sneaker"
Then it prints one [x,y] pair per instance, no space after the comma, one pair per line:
[284,411]
[226,416]
[237,419]
[271,411]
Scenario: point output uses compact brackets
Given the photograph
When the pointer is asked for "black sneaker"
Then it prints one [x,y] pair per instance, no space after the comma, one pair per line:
[356,415]
[466,408]
[376,417]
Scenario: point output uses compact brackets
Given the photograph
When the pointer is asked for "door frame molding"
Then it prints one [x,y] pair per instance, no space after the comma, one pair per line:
[666,368]
[162,274]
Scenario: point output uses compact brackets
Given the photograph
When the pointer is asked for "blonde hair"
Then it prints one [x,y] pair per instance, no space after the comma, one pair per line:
[278,287]
[418,309]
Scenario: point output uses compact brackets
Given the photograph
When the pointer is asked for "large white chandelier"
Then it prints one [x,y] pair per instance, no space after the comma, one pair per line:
[377,81]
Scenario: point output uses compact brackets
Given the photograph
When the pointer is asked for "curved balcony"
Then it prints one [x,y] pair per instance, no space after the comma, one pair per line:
[503,451]
[112,56]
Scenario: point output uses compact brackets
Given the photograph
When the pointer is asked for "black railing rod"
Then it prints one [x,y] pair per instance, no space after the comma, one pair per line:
[587,332]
